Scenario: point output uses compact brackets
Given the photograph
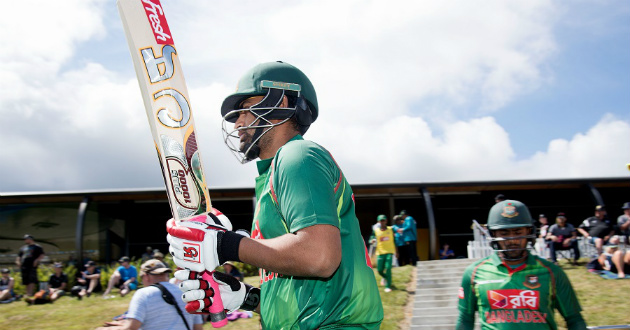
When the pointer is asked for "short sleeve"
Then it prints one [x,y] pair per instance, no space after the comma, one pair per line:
[304,181]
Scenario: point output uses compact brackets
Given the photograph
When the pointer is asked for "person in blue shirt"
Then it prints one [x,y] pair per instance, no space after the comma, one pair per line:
[124,278]
[401,248]
[410,236]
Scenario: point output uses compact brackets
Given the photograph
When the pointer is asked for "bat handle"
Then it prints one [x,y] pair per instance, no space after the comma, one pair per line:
[217,312]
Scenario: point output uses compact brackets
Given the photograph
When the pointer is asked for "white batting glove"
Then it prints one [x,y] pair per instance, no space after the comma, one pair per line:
[198,295]
[195,241]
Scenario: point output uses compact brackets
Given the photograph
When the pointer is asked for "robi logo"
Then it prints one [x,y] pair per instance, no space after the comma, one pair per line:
[513,299]
[191,252]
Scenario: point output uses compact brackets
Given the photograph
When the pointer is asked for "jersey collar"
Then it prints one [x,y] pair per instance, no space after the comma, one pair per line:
[263,164]
[497,261]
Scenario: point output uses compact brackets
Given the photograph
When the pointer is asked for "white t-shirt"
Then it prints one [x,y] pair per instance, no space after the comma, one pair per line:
[148,307]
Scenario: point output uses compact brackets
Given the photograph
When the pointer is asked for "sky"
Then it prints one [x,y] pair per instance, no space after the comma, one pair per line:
[408,91]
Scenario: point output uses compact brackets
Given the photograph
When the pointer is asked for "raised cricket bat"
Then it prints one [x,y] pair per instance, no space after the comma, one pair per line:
[165,96]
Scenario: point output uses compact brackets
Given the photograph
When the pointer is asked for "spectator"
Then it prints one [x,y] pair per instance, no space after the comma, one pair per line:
[597,229]
[410,236]
[6,287]
[148,254]
[563,236]
[89,281]
[124,278]
[58,282]
[28,259]
[499,198]
[385,248]
[233,270]
[613,260]
[149,310]
[623,221]
[158,255]
[543,226]
[446,252]
[401,249]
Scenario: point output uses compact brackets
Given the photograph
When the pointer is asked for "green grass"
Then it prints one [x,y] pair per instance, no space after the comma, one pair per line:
[604,302]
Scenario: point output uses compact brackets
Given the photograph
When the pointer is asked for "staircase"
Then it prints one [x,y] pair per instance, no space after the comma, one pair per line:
[435,301]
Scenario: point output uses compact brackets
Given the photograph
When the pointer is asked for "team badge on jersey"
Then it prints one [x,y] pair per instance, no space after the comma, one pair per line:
[509,211]
[531,281]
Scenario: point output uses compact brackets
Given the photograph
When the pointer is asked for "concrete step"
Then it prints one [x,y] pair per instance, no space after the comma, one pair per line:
[447,303]
[439,327]
[433,319]
[438,279]
[441,270]
[428,291]
[438,284]
[448,261]
[435,311]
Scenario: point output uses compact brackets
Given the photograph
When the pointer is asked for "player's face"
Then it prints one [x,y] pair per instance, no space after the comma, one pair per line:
[515,244]
[246,118]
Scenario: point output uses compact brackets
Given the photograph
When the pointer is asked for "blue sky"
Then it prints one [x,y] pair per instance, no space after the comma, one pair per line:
[409,91]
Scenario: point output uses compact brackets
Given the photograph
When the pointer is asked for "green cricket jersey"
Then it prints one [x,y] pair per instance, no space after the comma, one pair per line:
[300,187]
[521,298]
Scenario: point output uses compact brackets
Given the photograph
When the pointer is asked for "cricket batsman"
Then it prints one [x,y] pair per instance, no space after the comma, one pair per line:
[513,289]
[305,240]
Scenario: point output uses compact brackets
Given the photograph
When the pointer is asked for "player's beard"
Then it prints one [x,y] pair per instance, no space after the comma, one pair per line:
[519,249]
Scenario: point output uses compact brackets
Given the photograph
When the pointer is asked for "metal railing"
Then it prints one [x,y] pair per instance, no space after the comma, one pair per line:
[480,246]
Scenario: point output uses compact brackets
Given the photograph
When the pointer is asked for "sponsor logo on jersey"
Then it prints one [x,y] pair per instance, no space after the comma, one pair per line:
[461,293]
[531,281]
[509,211]
[513,299]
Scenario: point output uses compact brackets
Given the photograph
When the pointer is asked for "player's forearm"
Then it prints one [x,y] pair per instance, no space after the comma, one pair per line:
[575,322]
[314,251]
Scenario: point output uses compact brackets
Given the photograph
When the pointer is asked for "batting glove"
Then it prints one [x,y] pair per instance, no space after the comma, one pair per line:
[198,295]
[202,242]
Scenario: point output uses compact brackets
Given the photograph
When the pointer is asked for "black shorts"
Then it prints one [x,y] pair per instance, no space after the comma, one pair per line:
[29,276]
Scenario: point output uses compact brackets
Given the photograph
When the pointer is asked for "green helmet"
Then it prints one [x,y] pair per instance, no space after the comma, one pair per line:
[509,214]
[259,80]
[381,217]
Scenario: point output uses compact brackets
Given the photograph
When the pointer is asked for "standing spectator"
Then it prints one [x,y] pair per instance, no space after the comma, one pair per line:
[563,236]
[401,248]
[149,310]
[512,288]
[499,198]
[543,226]
[89,281]
[410,236]
[6,286]
[597,229]
[385,248]
[446,252]
[623,221]
[124,278]
[58,282]
[28,259]
[148,254]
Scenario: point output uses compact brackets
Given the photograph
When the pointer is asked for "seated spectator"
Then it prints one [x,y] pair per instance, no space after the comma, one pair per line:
[446,252]
[124,278]
[563,236]
[623,221]
[499,198]
[233,270]
[597,229]
[613,260]
[89,281]
[158,255]
[6,287]
[58,282]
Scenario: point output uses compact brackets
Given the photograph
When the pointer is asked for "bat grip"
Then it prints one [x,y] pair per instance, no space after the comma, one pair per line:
[217,312]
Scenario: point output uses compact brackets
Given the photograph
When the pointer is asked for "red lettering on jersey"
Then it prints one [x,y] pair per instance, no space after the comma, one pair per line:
[256,234]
